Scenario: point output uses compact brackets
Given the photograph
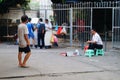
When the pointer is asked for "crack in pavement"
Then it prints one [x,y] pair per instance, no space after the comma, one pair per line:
[56,74]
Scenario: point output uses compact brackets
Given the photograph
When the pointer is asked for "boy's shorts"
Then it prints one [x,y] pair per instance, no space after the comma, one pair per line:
[25,49]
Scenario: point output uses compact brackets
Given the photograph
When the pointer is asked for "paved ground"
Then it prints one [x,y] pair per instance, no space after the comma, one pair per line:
[48,64]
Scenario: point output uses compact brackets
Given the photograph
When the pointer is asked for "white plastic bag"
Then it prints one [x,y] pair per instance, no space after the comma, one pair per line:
[63,31]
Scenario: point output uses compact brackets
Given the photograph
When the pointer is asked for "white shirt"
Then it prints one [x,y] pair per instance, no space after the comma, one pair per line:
[96,37]
[22,30]
[48,25]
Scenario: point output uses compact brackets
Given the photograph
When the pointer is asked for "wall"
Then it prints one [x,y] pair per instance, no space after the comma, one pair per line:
[9,21]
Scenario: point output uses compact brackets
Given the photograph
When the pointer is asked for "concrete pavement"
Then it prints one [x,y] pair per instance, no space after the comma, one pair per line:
[48,64]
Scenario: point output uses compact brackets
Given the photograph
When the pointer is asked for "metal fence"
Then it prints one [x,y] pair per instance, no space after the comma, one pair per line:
[78,19]
[79,16]
[116,28]
[77,22]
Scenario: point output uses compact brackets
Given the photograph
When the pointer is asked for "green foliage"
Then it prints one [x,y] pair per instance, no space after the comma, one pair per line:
[64,1]
[0,1]
[6,4]
[58,1]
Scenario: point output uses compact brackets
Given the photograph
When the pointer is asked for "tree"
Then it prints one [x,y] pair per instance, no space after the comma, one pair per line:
[6,4]
[0,1]
[57,1]
[72,1]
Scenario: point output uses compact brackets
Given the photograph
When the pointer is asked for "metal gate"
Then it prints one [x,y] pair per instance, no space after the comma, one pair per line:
[77,21]
[116,28]
[80,17]
[77,18]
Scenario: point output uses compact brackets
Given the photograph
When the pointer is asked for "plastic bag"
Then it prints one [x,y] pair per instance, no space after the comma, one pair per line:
[59,30]
[55,39]
[63,31]
[86,48]
[52,39]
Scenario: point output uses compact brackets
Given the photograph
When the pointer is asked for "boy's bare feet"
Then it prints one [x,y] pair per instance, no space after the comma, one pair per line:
[24,66]
[20,64]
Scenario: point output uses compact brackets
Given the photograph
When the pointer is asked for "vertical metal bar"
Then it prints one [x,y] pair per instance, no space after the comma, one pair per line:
[91,17]
[45,13]
[7,24]
[105,40]
[91,21]
[71,25]
[23,10]
[105,26]
[113,27]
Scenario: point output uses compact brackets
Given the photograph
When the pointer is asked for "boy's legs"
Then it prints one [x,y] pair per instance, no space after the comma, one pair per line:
[28,53]
[26,58]
[20,58]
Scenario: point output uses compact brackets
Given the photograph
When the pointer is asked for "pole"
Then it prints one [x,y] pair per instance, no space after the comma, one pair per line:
[113,27]
[7,25]
[23,11]
[71,24]
[105,29]
[45,13]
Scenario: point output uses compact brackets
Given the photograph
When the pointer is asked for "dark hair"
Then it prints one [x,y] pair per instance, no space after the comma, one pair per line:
[29,19]
[46,19]
[40,19]
[24,18]
[94,29]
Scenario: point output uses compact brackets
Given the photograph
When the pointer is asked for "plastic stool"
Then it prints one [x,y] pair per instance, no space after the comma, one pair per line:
[99,51]
[89,52]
